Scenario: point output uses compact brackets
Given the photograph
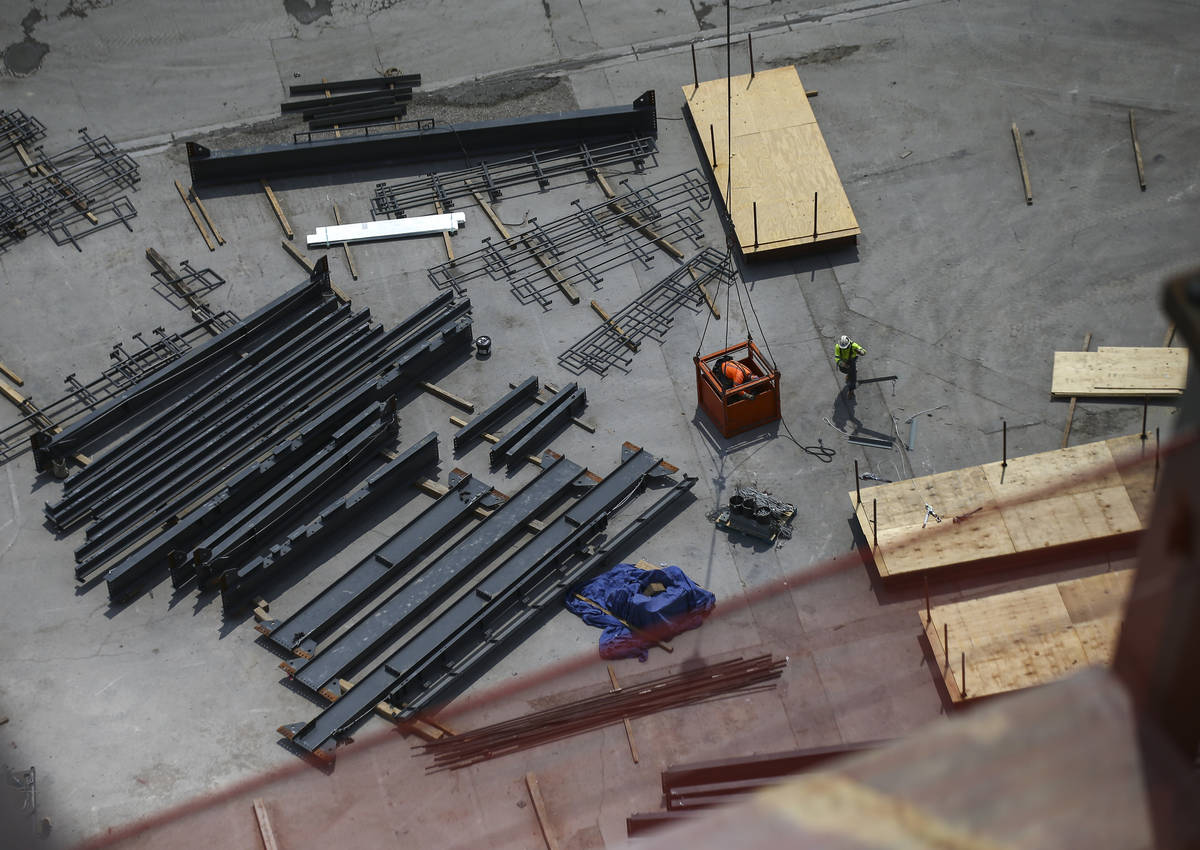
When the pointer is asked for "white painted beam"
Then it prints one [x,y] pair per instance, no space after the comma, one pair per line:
[392,228]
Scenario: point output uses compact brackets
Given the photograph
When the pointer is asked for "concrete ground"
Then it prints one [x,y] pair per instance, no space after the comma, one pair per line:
[956,286]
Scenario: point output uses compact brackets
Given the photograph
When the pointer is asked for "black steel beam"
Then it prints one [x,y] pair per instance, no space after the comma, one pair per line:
[412,680]
[359,388]
[365,84]
[553,413]
[363,116]
[237,585]
[304,106]
[300,633]
[49,448]
[436,581]
[248,165]
[552,416]
[495,414]
[373,104]
[255,526]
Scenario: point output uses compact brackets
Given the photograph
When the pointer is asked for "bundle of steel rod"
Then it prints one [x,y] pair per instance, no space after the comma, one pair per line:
[129,366]
[580,246]
[493,176]
[17,132]
[650,315]
[68,195]
[374,98]
[293,389]
[531,730]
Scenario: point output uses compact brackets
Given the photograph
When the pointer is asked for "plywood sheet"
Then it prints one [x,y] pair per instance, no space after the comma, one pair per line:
[778,161]
[1036,502]
[1141,372]
[1027,637]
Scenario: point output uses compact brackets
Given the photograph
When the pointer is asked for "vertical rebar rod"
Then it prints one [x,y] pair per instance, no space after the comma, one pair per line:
[875,520]
[750,50]
[755,203]
[1145,410]
[946,642]
[712,136]
[857,486]
[963,683]
[695,73]
[1004,446]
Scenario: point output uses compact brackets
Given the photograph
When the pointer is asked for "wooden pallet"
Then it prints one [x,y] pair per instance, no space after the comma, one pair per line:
[779,162]
[1038,502]
[1029,637]
[1109,372]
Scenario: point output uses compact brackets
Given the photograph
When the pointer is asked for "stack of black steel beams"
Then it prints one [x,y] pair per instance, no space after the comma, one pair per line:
[374,100]
[249,442]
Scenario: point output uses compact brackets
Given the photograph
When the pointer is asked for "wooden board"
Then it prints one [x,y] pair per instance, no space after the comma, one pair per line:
[1109,371]
[779,160]
[1037,502]
[1027,637]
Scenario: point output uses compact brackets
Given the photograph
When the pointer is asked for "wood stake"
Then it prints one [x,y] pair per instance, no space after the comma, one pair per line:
[633,629]
[1016,134]
[1137,152]
[633,751]
[297,256]
[437,206]
[491,214]
[264,825]
[1087,343]
[204,212]
[603,314]
[287,228]
[447,396]
[337,217]
[637,220]
[12,376]
[539,808]
[568,289]
[195,216]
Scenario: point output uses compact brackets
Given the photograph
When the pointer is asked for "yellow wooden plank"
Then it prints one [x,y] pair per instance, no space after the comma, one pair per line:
[779,160]
[195,216]
[1113,371]
[12,376]
[283,222]
[1027,637]
[1016,134]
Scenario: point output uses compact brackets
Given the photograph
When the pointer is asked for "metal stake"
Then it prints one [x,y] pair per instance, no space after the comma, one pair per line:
[695,73]
[814,216]
[1155,457]
[964,675]
[1004,449]
[755,224]
[1145,410]
[946,641]
[857,486]
[875,520]
[713,138]
[750,49]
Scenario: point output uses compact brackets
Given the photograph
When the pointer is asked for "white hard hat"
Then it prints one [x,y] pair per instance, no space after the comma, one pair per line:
[844,341]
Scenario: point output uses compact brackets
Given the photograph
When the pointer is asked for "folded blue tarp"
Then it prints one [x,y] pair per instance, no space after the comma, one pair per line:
[681,606]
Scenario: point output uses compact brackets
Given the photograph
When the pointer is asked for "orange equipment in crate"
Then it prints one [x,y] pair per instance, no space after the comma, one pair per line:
[736,405]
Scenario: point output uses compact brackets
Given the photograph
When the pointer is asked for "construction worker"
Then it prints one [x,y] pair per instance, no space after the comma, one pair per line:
[733,372]
[846,353]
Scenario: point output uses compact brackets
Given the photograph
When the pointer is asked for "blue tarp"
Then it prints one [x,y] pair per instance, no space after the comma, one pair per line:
[681,606]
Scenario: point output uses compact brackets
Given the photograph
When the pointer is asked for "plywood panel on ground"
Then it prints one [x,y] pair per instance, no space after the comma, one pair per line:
[1108,372]
[1026,637]
[778,162]
[992,511]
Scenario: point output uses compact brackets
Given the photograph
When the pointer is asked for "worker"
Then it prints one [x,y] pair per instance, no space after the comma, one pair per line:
[733,372]
[846,353]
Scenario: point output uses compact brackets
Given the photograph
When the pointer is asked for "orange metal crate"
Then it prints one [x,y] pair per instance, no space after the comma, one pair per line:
[746,406]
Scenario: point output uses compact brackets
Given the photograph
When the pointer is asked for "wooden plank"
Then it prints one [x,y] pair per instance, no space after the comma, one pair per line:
[297,256]
[1087,343]
[568,289]
[264,825]
[539,808]
[1112,372]
[447,396]
[603,314]
[13,394]
[195,217]
[491,214]
[779,160]
[207,218]
[1036,502]
[1137,152]
[1027,637]
[636,220]
[1016,134]
[12,376]
[283,222]
[337,217]
[439,209]
[633,750]
[712,305]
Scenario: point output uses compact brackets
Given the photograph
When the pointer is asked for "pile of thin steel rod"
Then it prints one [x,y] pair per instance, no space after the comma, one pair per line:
[690,686]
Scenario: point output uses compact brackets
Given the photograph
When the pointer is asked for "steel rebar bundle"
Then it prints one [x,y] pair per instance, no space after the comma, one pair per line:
[531,730]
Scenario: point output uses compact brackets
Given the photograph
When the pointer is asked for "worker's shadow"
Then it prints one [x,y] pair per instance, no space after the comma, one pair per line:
[844,405]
